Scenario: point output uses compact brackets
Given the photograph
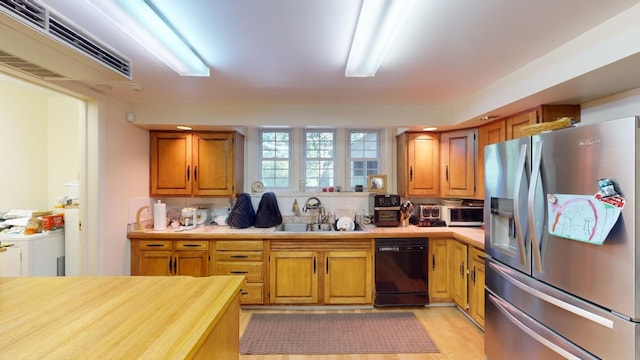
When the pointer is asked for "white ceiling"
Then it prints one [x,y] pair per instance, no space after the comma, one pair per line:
[293,51]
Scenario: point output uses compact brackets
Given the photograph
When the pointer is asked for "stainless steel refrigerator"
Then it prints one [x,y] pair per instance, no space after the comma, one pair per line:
[563,262]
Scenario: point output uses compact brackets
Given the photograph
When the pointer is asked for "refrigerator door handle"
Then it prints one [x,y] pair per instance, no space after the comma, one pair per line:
[536,331]
[516,204]
[535,175]
[550,299]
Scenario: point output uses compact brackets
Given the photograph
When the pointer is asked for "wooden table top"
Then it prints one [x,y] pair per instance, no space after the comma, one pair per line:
[110,317]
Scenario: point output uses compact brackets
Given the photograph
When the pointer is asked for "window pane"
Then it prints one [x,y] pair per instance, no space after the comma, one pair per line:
[363,156]
[275,148]
[319,152]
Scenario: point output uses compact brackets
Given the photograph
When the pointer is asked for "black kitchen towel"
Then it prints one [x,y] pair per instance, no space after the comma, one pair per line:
[242,214]
[268,213]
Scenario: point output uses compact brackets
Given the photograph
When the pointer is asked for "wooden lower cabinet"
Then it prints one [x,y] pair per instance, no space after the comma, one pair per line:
[311,272]
[243,257]
[438,274]
[456,273]
[293,277]
[476,285]
[167,257]
[459,271]
[348,277]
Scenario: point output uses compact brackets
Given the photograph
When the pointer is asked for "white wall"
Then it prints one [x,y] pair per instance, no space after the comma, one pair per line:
[612,107]
[63,144]
[33,123]
[125,175]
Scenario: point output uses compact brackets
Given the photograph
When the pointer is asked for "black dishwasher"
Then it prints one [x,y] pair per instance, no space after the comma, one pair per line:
[401,272]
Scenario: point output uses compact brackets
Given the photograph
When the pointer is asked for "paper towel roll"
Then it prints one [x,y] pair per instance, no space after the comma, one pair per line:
[159,216]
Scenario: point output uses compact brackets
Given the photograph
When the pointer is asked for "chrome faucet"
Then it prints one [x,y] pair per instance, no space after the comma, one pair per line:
[313,203]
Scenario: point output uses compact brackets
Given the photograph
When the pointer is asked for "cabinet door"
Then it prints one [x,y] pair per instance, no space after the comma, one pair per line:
[170,163]
[213,156]
[348,277]
[421,167]
[476,286]
[516,122]
[155,263]
[487,134]
[439,287]
[11,262]
[458,159]
[191,263]
[459,270]
[293,277]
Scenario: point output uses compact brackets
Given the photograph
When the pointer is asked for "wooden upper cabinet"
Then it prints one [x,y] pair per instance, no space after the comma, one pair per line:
[458,163]
[516,122]
[491,133]
[418,164]
[540,114]
[170,163]
[196,164]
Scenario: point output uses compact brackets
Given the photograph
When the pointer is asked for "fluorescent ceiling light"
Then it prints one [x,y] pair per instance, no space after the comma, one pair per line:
[140,20]
[378,24]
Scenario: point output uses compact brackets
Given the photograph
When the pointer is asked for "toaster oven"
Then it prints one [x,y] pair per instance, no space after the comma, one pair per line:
[386,209]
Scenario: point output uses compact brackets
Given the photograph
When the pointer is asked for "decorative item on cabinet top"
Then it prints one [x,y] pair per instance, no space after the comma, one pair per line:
[377,183]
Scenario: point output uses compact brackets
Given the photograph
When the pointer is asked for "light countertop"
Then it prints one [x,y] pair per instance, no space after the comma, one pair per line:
[111,317]
[470,235]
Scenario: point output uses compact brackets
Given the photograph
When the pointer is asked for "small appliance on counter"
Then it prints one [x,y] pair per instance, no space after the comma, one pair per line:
[385,209]
[428,211]
[427,215]
[414,220]
[462,215]
[189,216]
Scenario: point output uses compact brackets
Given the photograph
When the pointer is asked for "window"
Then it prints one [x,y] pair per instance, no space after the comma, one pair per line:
[290,159]
[275,164]
[364,156]
[319,158]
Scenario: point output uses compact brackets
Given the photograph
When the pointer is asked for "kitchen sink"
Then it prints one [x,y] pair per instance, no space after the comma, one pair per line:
[302,227]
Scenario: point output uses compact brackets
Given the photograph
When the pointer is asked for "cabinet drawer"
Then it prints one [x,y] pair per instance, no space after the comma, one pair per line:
[252,271]
[476,254]
[192,245]
[155,244]
[239,245]
[251,293]
[239,255]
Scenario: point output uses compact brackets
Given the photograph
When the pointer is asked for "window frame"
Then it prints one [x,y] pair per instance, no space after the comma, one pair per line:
[289,131]
[349,159]
[333,158]
[296,175]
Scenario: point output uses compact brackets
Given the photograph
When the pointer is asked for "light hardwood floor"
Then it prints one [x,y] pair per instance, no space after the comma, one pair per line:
[454,334]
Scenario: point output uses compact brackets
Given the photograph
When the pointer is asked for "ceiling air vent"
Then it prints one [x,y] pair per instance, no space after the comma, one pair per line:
[56,28]
[19,64]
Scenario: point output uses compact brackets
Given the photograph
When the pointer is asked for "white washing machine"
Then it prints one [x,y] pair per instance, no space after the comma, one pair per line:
[33,255]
